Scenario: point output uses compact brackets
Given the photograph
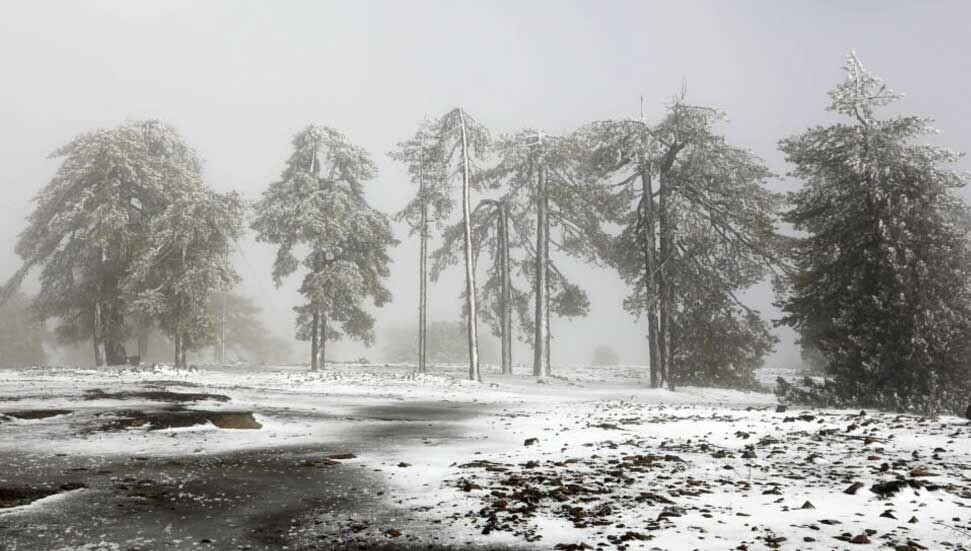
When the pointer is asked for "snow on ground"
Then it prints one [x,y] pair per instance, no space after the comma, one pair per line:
[588,458]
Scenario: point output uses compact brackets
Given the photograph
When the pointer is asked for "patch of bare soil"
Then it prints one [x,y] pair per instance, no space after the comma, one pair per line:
[33,414]
[179,418]
[154,395]
[24,495]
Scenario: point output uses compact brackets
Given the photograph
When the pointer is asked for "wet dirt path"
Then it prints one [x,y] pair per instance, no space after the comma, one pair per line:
[251,499]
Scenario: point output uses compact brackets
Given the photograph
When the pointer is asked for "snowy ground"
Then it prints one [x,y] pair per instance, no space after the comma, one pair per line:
[371,457]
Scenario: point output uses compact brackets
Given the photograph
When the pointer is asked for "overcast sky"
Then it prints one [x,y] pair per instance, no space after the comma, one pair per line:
[238,79]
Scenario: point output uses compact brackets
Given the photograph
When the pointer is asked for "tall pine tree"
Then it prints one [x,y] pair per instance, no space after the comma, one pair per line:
[882,287]
[433,204]
[318,204]
[93,220]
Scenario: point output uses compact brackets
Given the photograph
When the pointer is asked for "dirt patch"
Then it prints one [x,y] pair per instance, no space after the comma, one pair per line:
[181,418]
[36,413]
[154,395]
[19,496]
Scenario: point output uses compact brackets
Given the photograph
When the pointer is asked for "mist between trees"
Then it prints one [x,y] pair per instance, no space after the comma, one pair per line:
[130,245]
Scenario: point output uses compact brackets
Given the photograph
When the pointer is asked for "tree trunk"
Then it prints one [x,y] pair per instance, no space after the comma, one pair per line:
[221,351]
[143,335]
[648,242]
[422,265]
[540,342]
[323,339]
[665,278]
[182,353]
[505,299]
[112,322]
[97,332]
[549,332]
[315,341]
[177,359]
[472,320]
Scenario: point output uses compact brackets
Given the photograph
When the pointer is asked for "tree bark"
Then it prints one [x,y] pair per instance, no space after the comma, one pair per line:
[323,339]
[177,353]
[97,332]
[663,285]
[315,341]
[505,299]
[540,342]
[143,335]
[648,242]
[222,328]
[422,265]
[472,320]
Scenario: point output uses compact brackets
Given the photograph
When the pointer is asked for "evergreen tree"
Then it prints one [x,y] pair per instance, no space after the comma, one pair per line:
[241,331]
[186,260]
[93,219]
[697,228]
[549,208]
[462,141]
[431,206]
[882,287]
[318,204]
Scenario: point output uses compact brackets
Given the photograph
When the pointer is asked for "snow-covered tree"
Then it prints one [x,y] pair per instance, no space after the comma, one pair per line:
[240,329]
[497,296]
[93,219]
[549,207]
[433,204]
[318,205]
[462,141]
[185,261]
[697,228]
[882,286]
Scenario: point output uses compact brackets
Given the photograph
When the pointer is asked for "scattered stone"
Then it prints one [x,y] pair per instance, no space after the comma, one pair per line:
[341,456]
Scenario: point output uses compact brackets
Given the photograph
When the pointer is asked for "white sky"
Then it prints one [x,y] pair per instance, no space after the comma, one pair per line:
[239,78]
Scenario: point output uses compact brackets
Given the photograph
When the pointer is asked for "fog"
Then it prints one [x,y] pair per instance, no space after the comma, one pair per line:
[238,79]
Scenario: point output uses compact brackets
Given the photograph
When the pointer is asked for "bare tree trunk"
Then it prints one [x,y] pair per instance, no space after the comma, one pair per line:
[177,359]
[222,328]
[540,342]
[143,334]
[323,338]
[665,279]
[546,253]
[182,352]
[100,356]
[422,265]
[315,341]
[650,269]
[505,299]
[472,320]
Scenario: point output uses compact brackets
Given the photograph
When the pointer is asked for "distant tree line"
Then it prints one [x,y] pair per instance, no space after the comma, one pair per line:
[128,236]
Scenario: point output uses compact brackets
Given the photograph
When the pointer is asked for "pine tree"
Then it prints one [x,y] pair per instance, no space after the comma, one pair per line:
[185,261]
[240,329]
[689,245]
[318,203]
[882,287]
[498,295]
[549,207]
[430,207]
[92,220]
[462,140]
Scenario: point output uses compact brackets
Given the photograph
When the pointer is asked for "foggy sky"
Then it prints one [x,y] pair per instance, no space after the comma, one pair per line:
[238,79]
